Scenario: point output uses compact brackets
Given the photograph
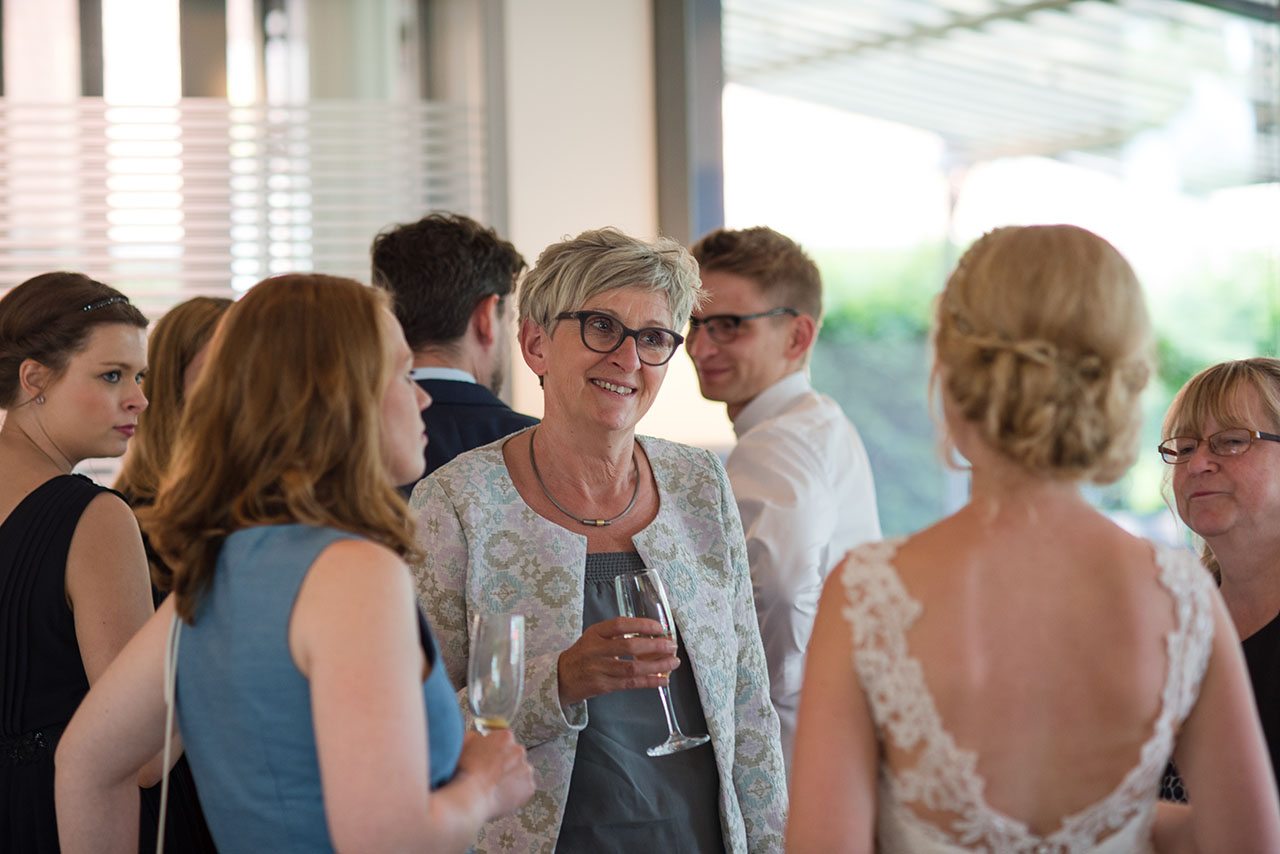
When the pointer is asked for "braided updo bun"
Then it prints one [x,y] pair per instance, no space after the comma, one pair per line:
[1042,341]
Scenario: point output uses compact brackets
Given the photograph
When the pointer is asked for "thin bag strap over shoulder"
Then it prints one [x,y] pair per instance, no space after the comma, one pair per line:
[170,702]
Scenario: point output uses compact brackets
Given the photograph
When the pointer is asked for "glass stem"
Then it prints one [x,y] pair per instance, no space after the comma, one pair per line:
[673,726]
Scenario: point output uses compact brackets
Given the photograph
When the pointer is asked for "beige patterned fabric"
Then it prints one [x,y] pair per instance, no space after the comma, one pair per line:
[487,551]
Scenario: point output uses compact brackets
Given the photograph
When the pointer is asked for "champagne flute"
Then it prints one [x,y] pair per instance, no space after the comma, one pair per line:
[495,671]
[641,594]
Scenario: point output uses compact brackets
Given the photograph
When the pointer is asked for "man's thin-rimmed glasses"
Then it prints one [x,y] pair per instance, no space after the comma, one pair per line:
[723,328]
[604,333]
[1228,443]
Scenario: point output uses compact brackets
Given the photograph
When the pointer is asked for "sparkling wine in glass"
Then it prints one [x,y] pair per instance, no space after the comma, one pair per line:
[495,672]
[641,594]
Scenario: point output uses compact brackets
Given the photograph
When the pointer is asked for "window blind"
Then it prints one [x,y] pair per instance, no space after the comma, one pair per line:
[166,203]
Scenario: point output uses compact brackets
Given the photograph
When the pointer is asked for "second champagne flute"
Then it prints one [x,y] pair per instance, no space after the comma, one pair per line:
[641,594]
[495,670]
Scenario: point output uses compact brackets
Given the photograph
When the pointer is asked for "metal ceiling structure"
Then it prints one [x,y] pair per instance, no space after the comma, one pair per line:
[999,78]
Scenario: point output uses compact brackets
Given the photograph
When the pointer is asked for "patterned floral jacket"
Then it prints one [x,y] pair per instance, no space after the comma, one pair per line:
[487,551]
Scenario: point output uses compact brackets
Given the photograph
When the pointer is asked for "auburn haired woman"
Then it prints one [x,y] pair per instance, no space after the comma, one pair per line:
[310,696]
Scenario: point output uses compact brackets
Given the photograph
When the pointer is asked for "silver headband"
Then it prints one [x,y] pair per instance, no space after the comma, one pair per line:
[102,303]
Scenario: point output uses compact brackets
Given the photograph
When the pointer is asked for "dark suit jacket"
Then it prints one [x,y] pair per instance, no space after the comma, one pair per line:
[463,416]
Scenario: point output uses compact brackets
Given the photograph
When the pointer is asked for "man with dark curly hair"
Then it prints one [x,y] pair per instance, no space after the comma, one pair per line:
[449,277]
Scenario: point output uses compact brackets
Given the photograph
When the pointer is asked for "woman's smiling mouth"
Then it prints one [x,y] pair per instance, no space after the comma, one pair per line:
[617,389]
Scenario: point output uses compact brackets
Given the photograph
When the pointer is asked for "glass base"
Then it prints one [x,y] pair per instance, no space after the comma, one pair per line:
[677,743]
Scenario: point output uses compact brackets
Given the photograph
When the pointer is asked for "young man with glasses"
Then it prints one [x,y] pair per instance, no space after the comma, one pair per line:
[799,472]
[449,278]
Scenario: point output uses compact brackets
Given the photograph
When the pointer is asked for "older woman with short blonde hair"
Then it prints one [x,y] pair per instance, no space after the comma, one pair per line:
[541,522]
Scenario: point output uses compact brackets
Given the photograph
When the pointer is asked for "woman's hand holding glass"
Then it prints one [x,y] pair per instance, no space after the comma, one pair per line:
[642,594]
[616,655]
[495,671]
[499,766]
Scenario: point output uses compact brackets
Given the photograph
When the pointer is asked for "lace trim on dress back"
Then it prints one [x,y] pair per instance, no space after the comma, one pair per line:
[944,778]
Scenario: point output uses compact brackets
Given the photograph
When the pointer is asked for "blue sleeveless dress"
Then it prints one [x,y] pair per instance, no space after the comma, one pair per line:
[244,710]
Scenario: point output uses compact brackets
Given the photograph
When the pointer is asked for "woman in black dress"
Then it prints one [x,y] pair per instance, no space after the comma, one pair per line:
[1222,442]
[73,578]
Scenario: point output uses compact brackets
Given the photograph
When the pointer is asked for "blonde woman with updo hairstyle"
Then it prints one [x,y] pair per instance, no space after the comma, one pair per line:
[1222,442]
[310,695]
[1016,677]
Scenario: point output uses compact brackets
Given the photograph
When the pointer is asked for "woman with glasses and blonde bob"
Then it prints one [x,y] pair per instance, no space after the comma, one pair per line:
[1223,444]
[309,692]
[1016,677]
[541,522]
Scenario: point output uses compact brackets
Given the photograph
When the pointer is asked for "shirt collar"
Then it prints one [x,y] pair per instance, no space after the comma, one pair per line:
[770,401]
[441,374]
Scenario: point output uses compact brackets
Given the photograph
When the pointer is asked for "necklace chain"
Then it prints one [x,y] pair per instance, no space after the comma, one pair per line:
[590,523]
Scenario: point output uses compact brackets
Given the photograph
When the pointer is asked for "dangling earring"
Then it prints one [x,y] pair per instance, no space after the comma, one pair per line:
[40,398]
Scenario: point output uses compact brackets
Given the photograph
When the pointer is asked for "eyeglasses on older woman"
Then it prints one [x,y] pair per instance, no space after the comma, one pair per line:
[604,333]
[1227,443]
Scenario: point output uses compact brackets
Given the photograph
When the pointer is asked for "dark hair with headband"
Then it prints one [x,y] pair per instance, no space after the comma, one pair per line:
[49,318]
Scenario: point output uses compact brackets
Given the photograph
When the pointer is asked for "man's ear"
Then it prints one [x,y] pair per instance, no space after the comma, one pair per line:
[804,331]
[486,320]
[534,341]
[34,378]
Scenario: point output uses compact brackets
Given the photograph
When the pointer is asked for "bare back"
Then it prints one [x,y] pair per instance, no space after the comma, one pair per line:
[1041,644]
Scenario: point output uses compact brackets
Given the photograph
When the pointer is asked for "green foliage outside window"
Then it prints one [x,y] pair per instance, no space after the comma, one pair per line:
[872,357]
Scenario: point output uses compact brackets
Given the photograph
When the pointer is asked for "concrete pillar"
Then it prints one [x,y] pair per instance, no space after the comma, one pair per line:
[581,142]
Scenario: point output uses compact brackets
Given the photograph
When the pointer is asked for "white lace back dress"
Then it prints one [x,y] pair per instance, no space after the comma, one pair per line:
[942,781]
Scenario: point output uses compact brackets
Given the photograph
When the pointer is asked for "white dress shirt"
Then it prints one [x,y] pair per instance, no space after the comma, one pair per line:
[440,373]
[803,486]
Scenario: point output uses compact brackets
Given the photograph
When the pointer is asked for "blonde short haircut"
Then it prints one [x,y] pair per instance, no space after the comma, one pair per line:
[568,274]
[1042,340]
